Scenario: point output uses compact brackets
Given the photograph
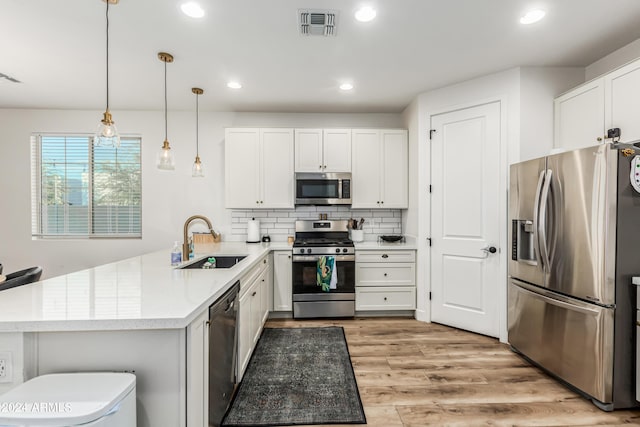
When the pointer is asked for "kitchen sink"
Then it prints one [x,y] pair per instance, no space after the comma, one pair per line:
[221,262]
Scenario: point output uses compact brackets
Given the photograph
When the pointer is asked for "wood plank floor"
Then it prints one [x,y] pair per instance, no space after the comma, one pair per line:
[411,373]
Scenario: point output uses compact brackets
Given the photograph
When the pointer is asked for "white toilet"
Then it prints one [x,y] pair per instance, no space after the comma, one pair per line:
[104,399]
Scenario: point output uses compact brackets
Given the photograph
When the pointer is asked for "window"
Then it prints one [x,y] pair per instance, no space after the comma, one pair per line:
[79,190]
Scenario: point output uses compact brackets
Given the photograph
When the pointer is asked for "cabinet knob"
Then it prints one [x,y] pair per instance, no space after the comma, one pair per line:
[385,298]
[264,261]
[599,138]
[257,201]
[324,167]
[261,201]
[385,256]
[320,167]
[382,202]
[385,274]
[289,256]
[254,294]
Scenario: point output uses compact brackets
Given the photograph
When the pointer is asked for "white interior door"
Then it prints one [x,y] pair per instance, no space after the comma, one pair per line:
[465,162]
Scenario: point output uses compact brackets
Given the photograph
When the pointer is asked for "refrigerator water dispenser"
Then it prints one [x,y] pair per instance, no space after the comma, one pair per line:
[522,241]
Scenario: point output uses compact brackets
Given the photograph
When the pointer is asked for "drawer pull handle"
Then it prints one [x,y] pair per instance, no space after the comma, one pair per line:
[385,256]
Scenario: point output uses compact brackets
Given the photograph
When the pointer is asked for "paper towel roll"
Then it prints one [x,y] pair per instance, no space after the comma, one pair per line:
[253,231]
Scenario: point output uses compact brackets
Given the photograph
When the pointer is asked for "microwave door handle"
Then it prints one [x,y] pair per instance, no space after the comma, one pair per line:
[536,218]
[542,222]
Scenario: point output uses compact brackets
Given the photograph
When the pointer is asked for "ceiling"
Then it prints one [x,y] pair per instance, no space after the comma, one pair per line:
[57,50]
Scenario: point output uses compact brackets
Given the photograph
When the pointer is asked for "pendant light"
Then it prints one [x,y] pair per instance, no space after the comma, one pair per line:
[107,135]
[197,171]
[165,160]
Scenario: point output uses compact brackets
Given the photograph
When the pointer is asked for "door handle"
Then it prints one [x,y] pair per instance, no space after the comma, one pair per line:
[490,249]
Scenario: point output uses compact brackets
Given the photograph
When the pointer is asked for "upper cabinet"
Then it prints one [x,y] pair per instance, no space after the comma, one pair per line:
[259,168]
[380,169]
[622,101]
[583,115]
[579,116]
[323,150]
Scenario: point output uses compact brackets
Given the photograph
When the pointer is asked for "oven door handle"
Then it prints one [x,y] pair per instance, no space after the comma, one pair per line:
[315,258]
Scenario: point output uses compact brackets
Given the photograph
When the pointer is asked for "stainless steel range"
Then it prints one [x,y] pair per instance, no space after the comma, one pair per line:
[314,240]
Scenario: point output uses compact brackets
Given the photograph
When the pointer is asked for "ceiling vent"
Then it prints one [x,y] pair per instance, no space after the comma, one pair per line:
[317,22]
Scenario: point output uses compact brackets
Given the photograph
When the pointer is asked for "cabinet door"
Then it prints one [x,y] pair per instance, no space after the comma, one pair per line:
[336,150]
[622,101]
[395,171]
[366,174]
[245,332]
[308,150]
[256,311]
[579,116]
[242,168]
[198,371]
[277,168]
[265,284]
[282,281]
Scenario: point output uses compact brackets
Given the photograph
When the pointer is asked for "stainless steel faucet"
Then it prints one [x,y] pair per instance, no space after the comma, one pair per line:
[185,242]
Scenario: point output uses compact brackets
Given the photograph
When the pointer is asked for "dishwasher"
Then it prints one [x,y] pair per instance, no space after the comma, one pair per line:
[223,320]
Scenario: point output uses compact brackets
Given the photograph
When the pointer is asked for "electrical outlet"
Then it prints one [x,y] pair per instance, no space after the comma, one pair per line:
[6,367]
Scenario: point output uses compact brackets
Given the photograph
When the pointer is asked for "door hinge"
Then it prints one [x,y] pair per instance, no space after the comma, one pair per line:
[429,296]
[431,132]
[429,239]
[430,188]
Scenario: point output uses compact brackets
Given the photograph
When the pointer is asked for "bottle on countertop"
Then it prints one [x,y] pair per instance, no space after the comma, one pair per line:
[176,254]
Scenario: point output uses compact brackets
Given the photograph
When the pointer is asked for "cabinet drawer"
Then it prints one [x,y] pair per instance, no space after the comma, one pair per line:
[385,256]
[397,298]
[385,274]
[252,274]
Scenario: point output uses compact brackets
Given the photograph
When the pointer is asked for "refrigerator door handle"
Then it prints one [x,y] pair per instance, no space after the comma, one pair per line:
[558,300]
[542,219]
[536,219]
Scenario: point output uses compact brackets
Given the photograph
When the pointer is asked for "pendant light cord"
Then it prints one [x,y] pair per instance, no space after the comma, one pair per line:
[107,55]
[165,100]
[197,125]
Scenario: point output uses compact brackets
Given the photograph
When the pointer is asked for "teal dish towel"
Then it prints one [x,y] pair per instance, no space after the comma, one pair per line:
[324,272]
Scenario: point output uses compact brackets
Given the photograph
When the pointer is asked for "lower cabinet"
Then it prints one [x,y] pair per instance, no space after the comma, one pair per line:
[385,280]
[282,281]
[254,310]
[198,371]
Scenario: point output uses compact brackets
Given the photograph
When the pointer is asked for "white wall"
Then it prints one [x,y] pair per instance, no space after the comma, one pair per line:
[168,197]
[411,118]
[538,87]
[614,60]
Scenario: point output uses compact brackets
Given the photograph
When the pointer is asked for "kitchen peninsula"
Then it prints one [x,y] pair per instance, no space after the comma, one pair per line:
[139,314]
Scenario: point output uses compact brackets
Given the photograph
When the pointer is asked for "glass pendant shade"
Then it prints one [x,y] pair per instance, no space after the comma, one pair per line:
[166,161]
[107,134]
[197,170]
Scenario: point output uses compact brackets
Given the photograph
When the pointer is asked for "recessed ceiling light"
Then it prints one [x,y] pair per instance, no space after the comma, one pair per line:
[532,16]
[365,14]
[234,85]
[346,86]
[192,9]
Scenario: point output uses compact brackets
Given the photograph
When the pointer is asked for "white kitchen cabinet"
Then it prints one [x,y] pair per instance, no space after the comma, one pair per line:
[318,150]
[259,168]
[253,311]
[380,172]
[385,280]
[579,116]
[198,371]
[282,281]
[622,101]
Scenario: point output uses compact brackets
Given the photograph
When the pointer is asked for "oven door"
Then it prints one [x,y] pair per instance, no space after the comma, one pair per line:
[304,275]
[323,189]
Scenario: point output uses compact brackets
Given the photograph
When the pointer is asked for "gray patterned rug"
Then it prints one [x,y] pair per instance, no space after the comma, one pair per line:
[298,376]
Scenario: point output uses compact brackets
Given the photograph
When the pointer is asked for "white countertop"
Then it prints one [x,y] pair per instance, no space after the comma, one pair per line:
[143,292]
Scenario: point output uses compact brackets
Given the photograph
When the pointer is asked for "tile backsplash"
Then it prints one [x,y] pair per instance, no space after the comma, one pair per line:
[280,223]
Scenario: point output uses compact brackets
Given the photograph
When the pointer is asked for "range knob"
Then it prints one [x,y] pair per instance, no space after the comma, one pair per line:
[345,250]
[309,250]
[301,251]
[338,250]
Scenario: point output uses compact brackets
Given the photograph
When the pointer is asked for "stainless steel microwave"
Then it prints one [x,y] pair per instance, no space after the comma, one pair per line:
[323,188]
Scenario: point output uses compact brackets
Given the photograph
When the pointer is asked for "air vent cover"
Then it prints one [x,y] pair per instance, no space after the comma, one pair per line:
[317,22]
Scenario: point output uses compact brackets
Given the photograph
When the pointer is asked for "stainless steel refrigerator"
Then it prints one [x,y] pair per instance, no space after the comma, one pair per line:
[575,232]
